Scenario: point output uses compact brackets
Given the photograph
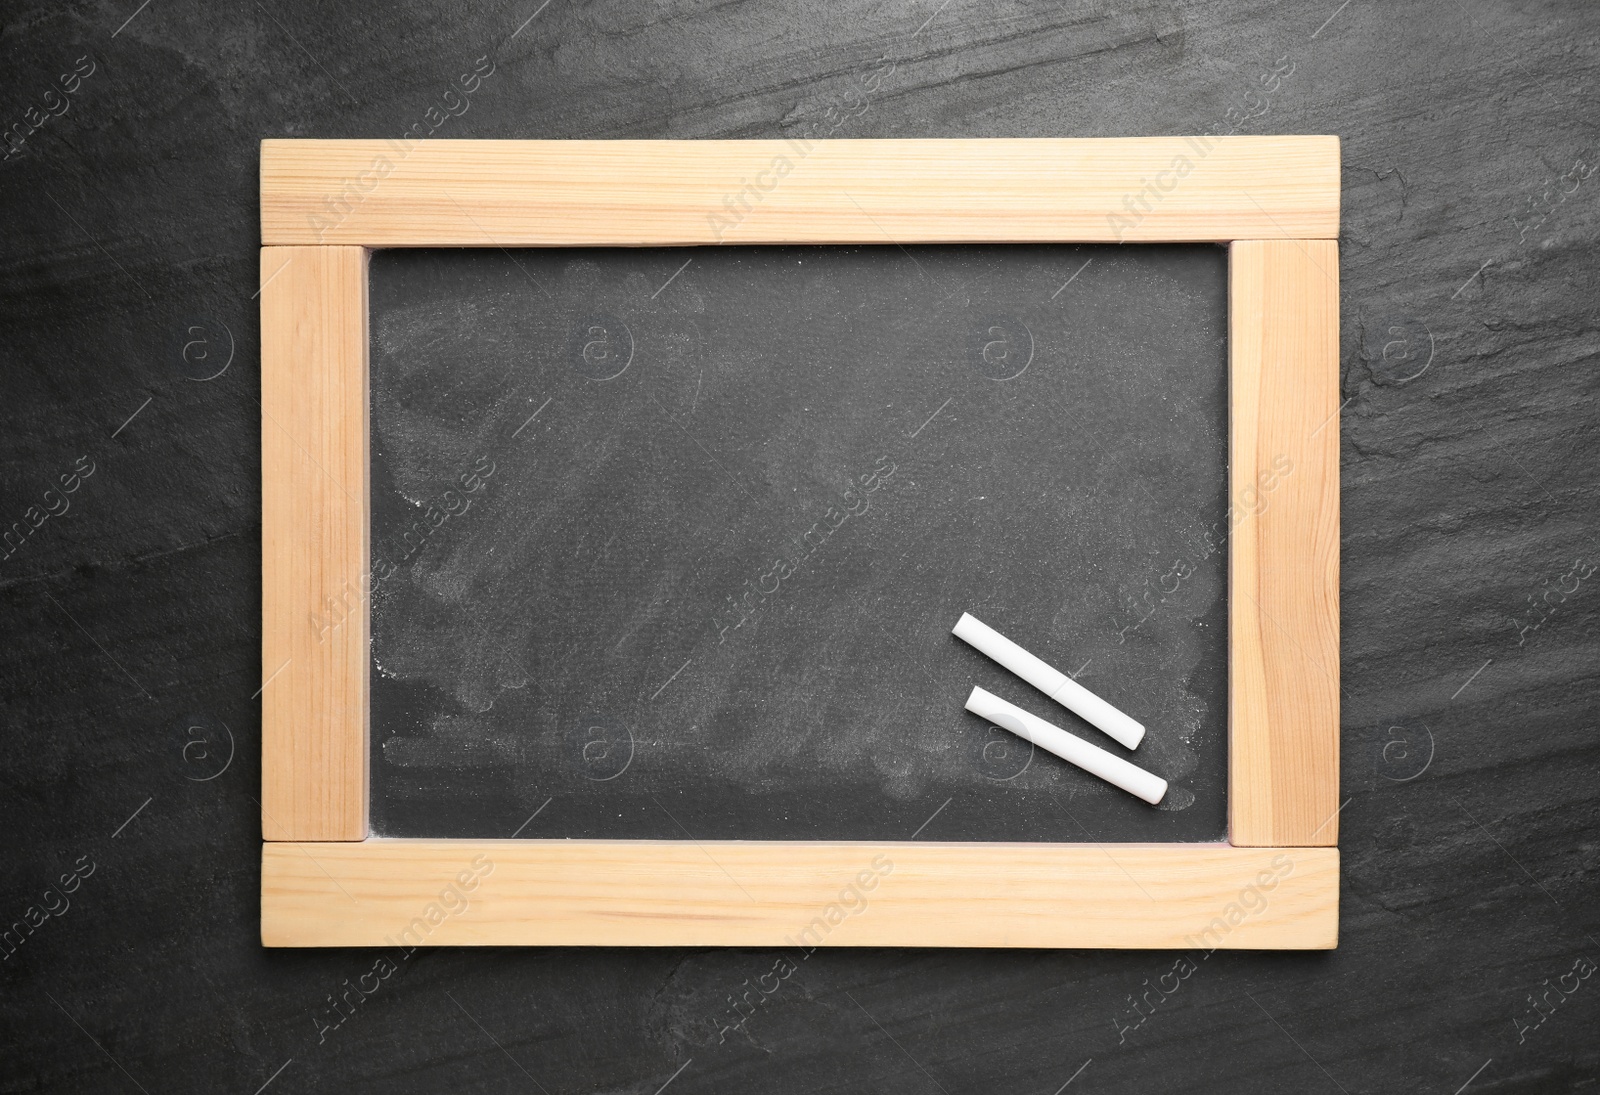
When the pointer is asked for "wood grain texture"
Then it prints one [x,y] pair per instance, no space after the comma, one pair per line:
[752,894]
[635,193]
[314,543]
[1284,562]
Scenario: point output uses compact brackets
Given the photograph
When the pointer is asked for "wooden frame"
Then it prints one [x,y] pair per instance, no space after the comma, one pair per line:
[1274,200]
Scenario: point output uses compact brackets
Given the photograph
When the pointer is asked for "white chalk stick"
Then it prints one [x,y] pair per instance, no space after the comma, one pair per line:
[1069,747]
[1049,680]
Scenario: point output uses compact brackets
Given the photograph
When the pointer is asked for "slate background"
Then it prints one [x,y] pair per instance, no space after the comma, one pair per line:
[1469,493]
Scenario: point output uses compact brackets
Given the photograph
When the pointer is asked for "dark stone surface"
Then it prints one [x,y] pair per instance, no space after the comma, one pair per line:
[1469,465]
[700,528]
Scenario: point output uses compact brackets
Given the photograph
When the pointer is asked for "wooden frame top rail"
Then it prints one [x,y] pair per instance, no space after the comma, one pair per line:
[398,193]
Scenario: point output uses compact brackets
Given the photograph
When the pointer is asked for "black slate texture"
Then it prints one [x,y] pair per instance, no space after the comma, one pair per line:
[677,538]
[1469,464]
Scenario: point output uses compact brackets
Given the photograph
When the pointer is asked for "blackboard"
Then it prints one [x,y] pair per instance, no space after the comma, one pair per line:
[669,543]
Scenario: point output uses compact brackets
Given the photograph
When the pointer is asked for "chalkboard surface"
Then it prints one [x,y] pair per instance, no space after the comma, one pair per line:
[669,543]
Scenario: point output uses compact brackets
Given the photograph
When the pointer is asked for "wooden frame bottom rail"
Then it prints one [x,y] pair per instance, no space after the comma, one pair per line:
[773,893]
